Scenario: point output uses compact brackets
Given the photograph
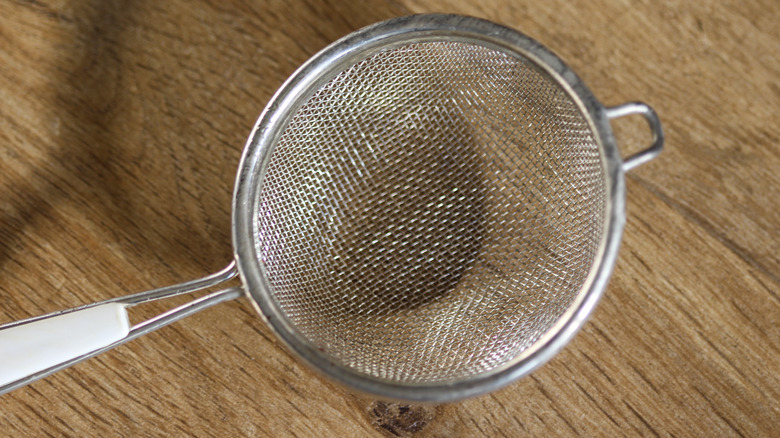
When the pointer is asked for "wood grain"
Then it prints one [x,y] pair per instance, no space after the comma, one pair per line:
[121,125]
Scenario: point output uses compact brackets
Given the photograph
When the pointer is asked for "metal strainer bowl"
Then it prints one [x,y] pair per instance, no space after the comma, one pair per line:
[427,210]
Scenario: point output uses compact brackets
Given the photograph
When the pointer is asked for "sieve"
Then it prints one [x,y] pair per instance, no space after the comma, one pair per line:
[427,210]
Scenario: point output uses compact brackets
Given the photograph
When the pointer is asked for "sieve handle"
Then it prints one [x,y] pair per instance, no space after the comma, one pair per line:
[37,347]
[650,115]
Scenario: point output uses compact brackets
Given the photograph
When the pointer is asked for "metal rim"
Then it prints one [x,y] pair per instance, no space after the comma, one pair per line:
[358,45]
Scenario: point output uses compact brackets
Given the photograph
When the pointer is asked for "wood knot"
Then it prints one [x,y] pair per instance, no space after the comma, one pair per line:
[399,420]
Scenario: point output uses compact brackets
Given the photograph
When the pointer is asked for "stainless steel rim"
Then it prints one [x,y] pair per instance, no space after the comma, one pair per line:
[321,68]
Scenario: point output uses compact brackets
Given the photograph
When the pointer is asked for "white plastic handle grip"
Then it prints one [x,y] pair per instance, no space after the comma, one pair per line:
[35,346]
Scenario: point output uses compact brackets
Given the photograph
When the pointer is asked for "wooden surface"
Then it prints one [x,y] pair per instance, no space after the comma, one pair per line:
[121,126]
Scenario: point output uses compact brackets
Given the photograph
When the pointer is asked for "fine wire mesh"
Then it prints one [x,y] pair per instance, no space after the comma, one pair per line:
[431,211]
